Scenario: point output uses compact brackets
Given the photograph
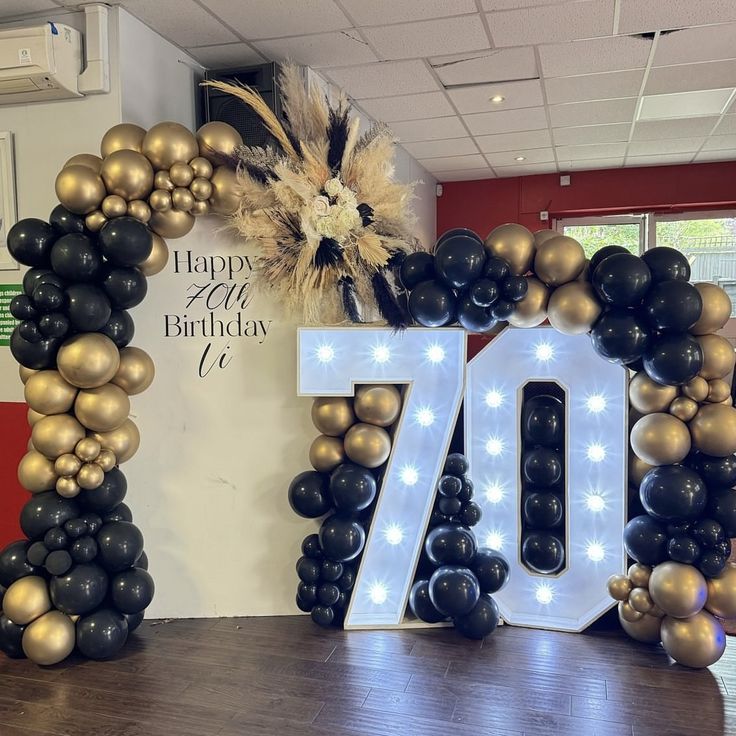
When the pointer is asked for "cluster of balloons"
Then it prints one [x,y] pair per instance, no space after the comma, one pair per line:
[454,502]
[346,458]
[542,482]
[455,580]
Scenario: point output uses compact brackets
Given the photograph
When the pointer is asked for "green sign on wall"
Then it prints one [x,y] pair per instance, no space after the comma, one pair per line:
[7,321]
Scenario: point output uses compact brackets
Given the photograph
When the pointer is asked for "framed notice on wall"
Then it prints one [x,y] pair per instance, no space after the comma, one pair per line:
[7,199]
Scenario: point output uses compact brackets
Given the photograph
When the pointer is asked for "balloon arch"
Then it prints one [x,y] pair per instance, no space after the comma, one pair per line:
[79,579]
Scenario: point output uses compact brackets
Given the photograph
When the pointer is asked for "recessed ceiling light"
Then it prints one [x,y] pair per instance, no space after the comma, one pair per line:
[497,99]
[697,103]
[520,158]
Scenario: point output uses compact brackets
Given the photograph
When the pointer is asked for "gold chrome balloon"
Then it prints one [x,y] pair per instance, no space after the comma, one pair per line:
[136,370]
[559,260]
[26,599]
[88,449]
[532,309]
[160,200]
[201,189]
[90,476]
[679,590]
[171,223]
[573,308]
[122,137]
[627,613]
[166,143]
[698,641]
[515,244]
[367,445]
[162,181]
[182,199]
[640,600]
[56,435]
[67,487]
[683,408]
[718,356]
[85,159]
[696,389]
[648,396]
[50,639]
[645,629]
[139,210]
[94,221]
[713,430]
[36,472]
[128,174]
[218,140]
[80,189]
[200,208]
[25,373]
[722,592]
[326,453]
[716,309]
[114,206]
[333,415]
[33,417]
[102,409]
[156,262]
[637,469]
[377,404]
[619,587]
[226,191]
[181,174]
[67,465]
[639,575]
[106,460]
[660,439]
[123,441]
[46,392]
[718,390]
[201,167]
[542,236]
[88,360]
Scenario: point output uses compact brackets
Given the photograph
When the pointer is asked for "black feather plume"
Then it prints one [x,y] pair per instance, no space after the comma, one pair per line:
[337,135]
[349,298]
[388,304]
[366,213]
[328,253]
[257,173]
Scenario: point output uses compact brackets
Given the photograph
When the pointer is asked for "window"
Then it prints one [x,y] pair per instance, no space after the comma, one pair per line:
[593,233]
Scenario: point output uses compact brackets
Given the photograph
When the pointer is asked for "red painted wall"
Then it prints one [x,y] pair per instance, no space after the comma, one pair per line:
[15,433]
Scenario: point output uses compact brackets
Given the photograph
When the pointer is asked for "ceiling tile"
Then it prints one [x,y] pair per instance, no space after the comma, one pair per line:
[321,49]
[594,55]
[468,175]
[428,37]
[429,130]
[226,55]
[593,86]
[685,77]
[376,12]
[551,23]
[435,149]
[11,8]
[511,4]
[408,107]
[637,16]
[727,125]
[384,78]
[671,145]
[506,121]
[705,43]
[525,169]
[592,113]
[579,135]
[715,156]
[647,130]
[591,164]
[514,141]
[721,143]
[453,163]
[661,160]
[273,18]
[516,94]
[494,65]
[181,21]
[586,152]
[531,156]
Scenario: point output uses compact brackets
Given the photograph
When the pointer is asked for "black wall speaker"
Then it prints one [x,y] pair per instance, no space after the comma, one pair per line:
[220,106]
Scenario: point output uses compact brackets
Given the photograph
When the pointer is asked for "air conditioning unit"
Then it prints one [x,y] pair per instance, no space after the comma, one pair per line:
[39,63]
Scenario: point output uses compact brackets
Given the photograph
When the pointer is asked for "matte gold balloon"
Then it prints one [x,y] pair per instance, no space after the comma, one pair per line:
[226,191]
[182,199]
[217,140]
[532,309]
[718,390]
[171,223]
[136,371]
[123,441]
[639,575]
[166,143]
[56,435]
[94,221]
[515,244]
[67,465]
[139,210]
[201,189]
[640,600]
[585,273]
[36,472]
[102,409]
[326,453]
[48,393]
[181,174]
[683,408]
[619,587]
[679,590]
[698,641]
[627,613]
[200,208]
[713,430]
[106,460]
[88,360]
[559,260]
[377,404]
[160,200]
[128,174]
[367,445]
[542,236]
[33,417]
[80,189]
[716,309]
[162,180]
[696,389]
[718,356]
[646,629]
[201,167]
[88,449]
[573,308]
[90,476]
[722,592]
[156,262]
[637,469]
[333,415]
[26,599]
[122,137]
[50,639]
[114,206]
[67,487]
[660,439]
[85,159]
[648,396]
[25,373]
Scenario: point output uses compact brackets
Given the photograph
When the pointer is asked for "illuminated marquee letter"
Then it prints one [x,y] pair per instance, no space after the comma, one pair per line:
[430,363]
[596,447]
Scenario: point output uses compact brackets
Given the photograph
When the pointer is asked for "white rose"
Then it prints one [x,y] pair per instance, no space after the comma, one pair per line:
[320,206]
[333,187]
[347,197]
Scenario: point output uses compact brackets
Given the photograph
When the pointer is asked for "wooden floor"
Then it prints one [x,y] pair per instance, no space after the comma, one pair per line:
[285,676]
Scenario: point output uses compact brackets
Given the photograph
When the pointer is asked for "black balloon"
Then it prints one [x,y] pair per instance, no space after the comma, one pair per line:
[21,307]
[132,590]
[502,309]
[58,562]
[708,532]
[328,594]
[341,537]
[453,590]
[682,548]
[79,591]
[455,231]
[75,528]
[471,514]
[119,328]
[666,264]
[323,615]
[93,521]
[134,621]
[491,569]
[484,292]
[56,538]
[481,621]
[449,486]
[620,336]
[673,359]
[722,508]
[672,306]
[542,467]
[459,260]
[543,552]
[712,563]
[306,596]
[467,492]
[621,279]
[54,324]
[33,276]
[421,605]
[456,464]
[49,296]
[125,241]
[75,257]
[11,638]
[673,493]
[472,317]
[102,634]
[514,288]
[14,564]
[352,488]
[330,571]
[417,267]
[37,554]
[308,495]
[541,420]
[311,548]
[44,511]
[126,287]
[542,510]
[347,579]
[449,506]
[645,539]
[715,471]
[29,241]
[450,544]
[88,307]
[604,252]
[308,570]
[64,221]
[120,545]
[108,496]
[29,331]
[120,513]
[34,355]
[84,549]
[496,269]
[432,304]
